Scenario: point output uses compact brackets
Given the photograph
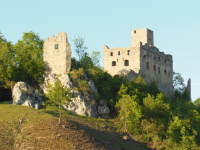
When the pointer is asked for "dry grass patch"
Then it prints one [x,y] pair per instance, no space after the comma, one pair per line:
[40,130]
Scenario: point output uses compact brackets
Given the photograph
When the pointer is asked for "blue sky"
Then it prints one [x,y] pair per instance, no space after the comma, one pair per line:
[176,26]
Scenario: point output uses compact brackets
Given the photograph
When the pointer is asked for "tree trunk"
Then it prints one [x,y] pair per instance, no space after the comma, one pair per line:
[60,114]
[126,123]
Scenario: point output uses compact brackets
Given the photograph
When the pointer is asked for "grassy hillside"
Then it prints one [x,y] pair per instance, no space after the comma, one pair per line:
[40,130]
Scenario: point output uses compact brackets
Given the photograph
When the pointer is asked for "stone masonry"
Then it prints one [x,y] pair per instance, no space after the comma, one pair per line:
[188,88]
[141,58]
[57,54]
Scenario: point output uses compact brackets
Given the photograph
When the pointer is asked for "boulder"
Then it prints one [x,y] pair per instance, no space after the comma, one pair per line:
[25,95]
[103,110]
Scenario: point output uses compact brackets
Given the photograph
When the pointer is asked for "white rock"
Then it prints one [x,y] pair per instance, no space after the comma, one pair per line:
[103,110]
[80,106]
[51,79]
[94,89]
[25,95]
[85,76]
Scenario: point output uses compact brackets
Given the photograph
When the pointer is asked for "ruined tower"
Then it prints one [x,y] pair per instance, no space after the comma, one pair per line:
[142,35]
[141,58]
[57,54]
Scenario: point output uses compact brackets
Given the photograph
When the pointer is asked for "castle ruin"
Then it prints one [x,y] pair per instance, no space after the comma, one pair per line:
[141,58]
[57,54]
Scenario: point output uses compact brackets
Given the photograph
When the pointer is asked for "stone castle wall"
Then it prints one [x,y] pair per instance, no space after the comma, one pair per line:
[143,59]
[142,35]
[57,54]
[157,66]
[114,60]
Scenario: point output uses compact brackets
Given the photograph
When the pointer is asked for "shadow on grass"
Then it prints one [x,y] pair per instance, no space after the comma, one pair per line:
[110,139]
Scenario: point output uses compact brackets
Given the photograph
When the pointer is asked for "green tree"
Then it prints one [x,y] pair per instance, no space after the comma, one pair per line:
[197,102]
[178,82]
[6,65]
[129,110]
[157,108]
[29,63]
[6,62]
[80,48]
[95,58]
[138,86]
[181,134]
[86,61]
[59,95]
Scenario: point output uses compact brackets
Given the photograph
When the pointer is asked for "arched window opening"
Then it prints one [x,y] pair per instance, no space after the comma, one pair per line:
[119,53]
[116,76]
[165,61]
[155,68]
[144,57]
[158,69]
[158,58]
[117,60]
[147,65]
[111,54]
[155,58]
[126,63]
[165,72]
[114,63]
[134,31]
[129,52]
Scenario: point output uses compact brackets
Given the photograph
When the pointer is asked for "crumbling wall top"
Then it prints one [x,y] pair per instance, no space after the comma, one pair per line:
[61,36]
[156,51]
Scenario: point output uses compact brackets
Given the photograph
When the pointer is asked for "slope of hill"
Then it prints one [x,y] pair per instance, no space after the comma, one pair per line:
[39,129]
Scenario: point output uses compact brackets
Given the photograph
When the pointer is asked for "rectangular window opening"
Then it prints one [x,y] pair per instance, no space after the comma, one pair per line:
[56,46]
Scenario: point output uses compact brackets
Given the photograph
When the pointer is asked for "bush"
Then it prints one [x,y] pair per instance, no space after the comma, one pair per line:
[138,86]
[180,135]
[77,74]
[84,87]
[157,109]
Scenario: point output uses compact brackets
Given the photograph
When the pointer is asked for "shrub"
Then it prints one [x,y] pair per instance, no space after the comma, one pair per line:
[138,86]
[180,134]
[157,109]
[84,86]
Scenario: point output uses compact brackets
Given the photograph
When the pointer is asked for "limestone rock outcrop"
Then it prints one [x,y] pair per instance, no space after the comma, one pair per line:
[25,95]
[51,78]
[86,105]
[94,89]
[82,105]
